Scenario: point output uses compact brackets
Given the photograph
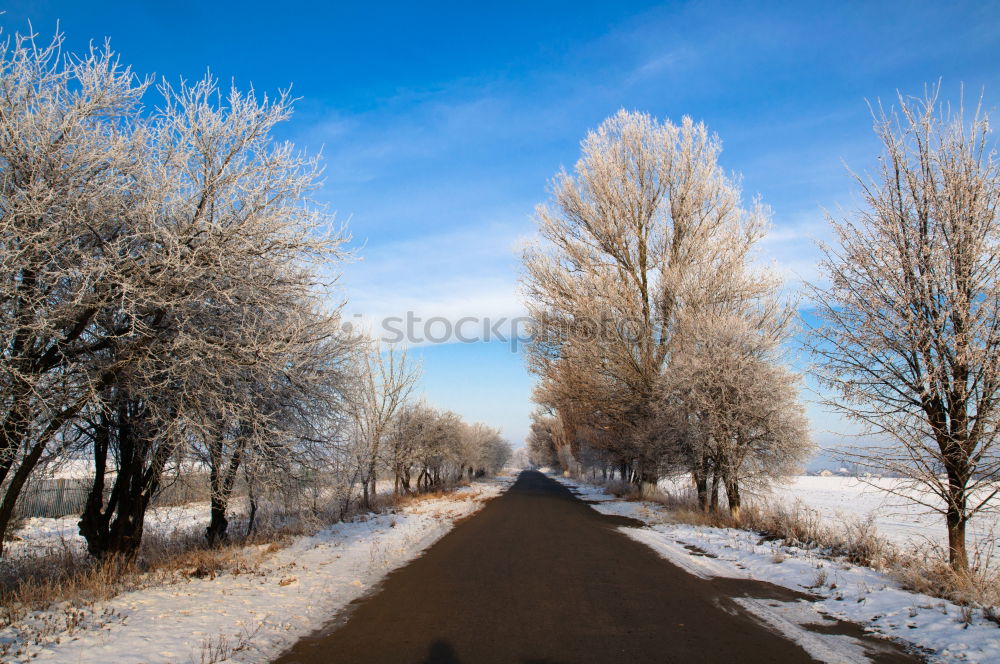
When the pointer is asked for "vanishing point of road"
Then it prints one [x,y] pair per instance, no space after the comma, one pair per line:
[539,577]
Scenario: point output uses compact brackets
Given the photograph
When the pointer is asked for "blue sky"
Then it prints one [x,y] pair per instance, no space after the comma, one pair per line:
[441,123]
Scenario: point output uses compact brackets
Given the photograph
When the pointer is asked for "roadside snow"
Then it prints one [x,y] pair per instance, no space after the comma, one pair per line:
[838,498]
[847,592]
[254,616]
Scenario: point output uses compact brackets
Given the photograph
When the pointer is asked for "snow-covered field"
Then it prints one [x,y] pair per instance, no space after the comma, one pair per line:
[252,616]
[844,591]
[900,521]
[911,526]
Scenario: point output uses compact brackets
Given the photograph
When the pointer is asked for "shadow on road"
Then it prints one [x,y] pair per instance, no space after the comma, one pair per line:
[441,652]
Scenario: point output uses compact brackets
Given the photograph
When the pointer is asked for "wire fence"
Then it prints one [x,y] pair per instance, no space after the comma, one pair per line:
[62,497]
[53,498]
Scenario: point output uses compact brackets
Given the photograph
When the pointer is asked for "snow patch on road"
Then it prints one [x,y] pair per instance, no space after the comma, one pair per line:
[699,565]
[792,620]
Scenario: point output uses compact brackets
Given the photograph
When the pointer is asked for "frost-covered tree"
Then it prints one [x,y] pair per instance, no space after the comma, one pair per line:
[406,435]
[910,340]
[384,380]
[68,186]
[542,436]
[160,283]
[730,411]
[216,311]
[275,420]
[483,451]
[440,448]
[645,223]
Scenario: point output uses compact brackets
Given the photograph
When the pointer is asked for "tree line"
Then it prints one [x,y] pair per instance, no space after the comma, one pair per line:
[661,344]
[168,303]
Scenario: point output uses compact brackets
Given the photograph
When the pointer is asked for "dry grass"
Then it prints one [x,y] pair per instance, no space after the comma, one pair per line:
[980,587]
[61,575]
[405,500]
[623,490]
[220,648]
[74,583]
[856,540]
[924,570]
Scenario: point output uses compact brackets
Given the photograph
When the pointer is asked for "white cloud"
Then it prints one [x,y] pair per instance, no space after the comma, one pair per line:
[452,275]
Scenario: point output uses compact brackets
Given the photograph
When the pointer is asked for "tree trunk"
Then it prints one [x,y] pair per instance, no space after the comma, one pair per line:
[701,489]
[956,519]
[648,484]
[15,487]
[222,488]
[116,530]
[14,428]
[93,523]
[733,493]
[252,496]
[957,554]
[218,523]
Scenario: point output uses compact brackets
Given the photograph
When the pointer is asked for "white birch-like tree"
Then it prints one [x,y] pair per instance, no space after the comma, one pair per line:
[384,380]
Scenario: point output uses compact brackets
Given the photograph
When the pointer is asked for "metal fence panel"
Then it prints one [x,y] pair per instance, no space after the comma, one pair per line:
[62,497]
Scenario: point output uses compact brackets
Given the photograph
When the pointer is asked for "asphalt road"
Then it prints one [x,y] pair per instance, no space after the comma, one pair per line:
[537,576]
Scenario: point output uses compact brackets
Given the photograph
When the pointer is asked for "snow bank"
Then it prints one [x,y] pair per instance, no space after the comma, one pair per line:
[253,616]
